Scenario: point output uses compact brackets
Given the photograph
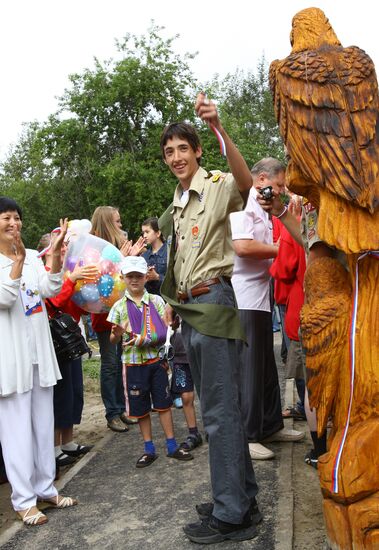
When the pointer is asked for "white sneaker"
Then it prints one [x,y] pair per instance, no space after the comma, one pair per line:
[258,452]
[285,434]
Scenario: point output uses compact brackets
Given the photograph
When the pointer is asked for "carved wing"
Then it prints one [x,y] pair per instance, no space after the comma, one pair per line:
[327,106]
[324,329]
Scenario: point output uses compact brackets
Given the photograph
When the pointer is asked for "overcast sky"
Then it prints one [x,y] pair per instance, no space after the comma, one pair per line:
[43,41]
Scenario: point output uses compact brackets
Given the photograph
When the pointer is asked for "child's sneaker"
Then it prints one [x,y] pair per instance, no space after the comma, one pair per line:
[180,454]
[192,442]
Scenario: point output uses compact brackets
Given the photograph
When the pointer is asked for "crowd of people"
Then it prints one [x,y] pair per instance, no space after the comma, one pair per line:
[196,315]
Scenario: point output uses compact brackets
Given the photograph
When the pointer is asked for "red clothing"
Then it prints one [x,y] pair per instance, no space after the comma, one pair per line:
[289,268]
[100,323]
[63,301]
[281,289]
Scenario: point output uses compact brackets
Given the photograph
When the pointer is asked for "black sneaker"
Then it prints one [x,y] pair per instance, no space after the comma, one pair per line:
[192,442]
[212,530]
[311,458]
[205,511]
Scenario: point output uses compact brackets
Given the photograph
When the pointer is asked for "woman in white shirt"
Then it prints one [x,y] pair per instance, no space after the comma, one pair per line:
[28,368]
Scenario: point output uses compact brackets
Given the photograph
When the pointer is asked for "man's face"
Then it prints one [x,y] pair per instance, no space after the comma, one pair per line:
[182,159]
[278,182]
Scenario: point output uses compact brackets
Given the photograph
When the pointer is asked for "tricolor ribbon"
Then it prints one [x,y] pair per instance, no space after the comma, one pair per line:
[47,248]
[220,140]
[353,326]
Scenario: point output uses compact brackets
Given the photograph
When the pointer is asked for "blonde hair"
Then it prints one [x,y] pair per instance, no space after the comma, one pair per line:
[104,227]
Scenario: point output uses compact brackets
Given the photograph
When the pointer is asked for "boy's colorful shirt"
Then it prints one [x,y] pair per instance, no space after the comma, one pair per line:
[118,315]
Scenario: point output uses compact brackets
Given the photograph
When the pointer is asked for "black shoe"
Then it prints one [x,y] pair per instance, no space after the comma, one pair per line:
[311,459]
[80,450]
[205,511]
[145,460]
[64,460]
[212,530]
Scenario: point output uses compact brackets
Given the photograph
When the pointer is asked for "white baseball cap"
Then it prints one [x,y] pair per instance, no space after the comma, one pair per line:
[132,264]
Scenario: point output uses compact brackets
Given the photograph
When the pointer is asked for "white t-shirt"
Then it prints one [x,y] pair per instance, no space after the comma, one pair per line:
[251,278]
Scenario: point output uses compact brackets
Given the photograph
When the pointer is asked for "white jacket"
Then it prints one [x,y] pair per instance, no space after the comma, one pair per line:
[21,334]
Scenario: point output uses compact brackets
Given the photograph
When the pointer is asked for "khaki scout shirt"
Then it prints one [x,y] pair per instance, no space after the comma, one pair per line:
[202,228]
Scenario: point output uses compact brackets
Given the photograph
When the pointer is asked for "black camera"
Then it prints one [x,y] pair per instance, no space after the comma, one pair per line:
[266,193]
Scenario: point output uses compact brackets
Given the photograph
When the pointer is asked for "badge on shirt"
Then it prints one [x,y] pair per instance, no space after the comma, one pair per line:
[31,300]
[195,231]
[196,241]
[216,177]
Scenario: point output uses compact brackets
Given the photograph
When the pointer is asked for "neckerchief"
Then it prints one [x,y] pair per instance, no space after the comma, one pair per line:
[146,324]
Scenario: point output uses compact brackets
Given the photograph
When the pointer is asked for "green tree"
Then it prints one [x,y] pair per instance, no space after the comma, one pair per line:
[102,146]
[246,111]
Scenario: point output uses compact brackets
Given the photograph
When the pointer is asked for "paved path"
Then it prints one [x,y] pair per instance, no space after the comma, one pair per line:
[123,507]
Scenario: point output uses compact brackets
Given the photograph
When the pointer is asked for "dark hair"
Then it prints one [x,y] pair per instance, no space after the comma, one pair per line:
[9,205]
[153,223]
[181,130]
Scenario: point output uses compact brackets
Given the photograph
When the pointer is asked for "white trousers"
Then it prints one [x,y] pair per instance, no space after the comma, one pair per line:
[27,439]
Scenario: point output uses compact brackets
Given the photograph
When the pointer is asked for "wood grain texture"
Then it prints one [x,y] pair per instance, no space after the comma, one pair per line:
[327,105]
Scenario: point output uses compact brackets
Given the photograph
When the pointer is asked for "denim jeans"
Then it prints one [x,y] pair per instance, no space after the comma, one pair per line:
[215,367]
[112,390]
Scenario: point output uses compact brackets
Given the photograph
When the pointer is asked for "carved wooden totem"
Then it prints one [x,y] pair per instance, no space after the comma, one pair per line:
[327,106]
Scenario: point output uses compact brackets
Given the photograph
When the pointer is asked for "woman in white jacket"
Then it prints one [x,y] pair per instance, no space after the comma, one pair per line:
[28,368]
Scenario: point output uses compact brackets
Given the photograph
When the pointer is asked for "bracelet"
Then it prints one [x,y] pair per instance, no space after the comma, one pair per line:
[282,213]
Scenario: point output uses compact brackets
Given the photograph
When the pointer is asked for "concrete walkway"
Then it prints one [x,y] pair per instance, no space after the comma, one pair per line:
[121,506]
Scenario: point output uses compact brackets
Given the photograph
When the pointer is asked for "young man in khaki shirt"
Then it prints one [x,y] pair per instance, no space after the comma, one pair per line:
[198,286]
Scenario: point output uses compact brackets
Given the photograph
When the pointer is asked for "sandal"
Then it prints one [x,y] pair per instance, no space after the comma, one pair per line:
[145,460]
[293,412]
[60,501]
[192,442]
[31,519]
[80,450]
[180,454]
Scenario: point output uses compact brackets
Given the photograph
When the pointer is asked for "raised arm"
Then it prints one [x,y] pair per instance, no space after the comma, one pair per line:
[207,111]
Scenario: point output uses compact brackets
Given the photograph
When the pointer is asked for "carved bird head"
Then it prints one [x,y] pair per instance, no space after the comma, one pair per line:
[311,30]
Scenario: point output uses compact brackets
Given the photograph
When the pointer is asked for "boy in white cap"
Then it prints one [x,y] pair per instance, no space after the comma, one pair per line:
[137,319]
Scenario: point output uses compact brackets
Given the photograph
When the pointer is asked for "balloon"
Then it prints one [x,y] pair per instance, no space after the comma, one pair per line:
[97,307]
[91,256]
[70,263]
[105,285]
[116,295]
[95,296]
[78,227]
[106,266]
[78,285]
[111,253]
[90,293]
[119,284]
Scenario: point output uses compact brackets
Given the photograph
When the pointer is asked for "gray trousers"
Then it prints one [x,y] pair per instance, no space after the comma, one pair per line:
[215,368]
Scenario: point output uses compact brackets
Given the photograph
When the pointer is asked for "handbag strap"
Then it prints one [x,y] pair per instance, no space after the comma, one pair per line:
[55,308]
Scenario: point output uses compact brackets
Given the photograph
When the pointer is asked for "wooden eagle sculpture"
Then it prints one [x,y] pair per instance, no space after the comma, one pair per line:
[327,106]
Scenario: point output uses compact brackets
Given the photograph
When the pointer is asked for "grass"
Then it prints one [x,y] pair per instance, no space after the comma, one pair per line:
[91,369]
